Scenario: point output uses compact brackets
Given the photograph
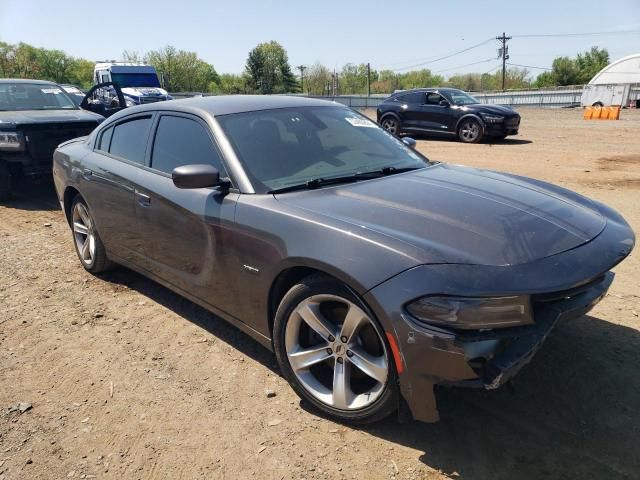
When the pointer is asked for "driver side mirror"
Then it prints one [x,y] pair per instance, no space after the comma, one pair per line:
[196,176]
[409,142]
[444,103]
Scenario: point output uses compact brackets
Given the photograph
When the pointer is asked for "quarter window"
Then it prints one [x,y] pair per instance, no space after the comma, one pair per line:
[105,139]
[129,139]
[181,141]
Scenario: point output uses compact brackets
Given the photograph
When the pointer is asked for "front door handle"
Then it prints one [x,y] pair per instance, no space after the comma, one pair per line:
[144,200]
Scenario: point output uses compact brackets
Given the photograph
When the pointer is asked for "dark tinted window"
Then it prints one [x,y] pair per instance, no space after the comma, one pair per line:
[180,141]
[129,139]
[105,139]
[415,97]
[290,146]
[434,98]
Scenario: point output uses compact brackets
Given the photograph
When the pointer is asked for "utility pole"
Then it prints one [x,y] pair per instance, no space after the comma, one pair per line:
[302,68]
[368,79]
[504,53]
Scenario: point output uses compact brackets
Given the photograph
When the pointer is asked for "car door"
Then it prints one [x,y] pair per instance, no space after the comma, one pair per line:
[435,113]
[409,110]
[186,232]
[107,178]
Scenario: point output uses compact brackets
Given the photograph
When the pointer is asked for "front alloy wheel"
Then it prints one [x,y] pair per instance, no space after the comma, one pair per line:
[335,355]
[470,131]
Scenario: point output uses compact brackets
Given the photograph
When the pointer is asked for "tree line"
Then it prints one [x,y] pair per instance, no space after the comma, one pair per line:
[267,70]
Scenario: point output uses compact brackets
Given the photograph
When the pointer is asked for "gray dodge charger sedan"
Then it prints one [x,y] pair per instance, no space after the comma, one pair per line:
[373,273]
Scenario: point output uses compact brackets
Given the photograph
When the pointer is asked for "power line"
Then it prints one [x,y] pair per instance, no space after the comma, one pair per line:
[466,65]
[583,34]
[529,66]
[453,54]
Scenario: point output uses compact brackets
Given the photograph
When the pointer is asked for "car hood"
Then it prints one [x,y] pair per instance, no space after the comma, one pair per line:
[455,214]
[486,108]
[36,117]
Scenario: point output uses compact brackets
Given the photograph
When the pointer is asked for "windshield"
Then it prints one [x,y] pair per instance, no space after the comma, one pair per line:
[458,97]
[34,96]
[135,79]
[291,146]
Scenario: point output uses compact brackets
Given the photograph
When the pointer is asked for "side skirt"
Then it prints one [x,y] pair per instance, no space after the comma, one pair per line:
[240,325]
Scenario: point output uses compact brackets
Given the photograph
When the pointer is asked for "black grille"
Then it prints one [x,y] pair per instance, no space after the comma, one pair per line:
[150,99]
[42,140]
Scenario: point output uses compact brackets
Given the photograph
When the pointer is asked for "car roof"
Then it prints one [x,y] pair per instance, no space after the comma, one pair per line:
[229,104]
[26,80]
[429,89]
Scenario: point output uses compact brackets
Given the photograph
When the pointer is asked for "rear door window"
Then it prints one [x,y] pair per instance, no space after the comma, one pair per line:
[412,98]
[182,141]
[129,139]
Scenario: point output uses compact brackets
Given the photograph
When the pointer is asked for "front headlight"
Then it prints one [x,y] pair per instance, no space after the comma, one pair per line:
[473,313]
[11,141]
[487,117]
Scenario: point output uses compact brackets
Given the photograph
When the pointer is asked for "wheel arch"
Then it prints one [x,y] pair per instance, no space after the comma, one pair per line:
[292,274]
[475,116]
[70,193]
[390,114]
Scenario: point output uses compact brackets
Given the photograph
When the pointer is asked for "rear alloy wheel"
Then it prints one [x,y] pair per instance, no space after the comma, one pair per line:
[333,352]
[89,247]
[470,131]
[391,125]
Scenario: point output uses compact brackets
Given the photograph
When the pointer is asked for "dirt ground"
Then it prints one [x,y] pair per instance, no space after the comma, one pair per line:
[129,381]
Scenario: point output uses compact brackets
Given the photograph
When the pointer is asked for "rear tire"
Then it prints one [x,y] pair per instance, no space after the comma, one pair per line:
[5,181]
[89,246]
[333,353]
[470,131]
[392,125]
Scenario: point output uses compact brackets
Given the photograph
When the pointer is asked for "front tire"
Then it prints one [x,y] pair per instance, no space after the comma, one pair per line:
[392,125]
[470,131]
[333,353]
[89,246]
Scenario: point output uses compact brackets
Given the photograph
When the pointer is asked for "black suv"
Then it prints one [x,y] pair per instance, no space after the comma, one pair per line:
[446,111]
[35,117]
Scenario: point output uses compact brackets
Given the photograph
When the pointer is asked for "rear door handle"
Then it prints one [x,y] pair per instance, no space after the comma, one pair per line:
[87,174]
[144,200]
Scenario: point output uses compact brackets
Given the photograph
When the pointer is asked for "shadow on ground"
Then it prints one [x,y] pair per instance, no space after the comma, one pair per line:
[487,141]
[33,194]
[574,411]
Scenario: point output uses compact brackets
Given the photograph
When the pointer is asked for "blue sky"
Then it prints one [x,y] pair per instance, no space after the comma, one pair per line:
[387,34]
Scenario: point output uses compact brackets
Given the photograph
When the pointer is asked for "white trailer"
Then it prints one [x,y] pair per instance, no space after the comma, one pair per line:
[616,84]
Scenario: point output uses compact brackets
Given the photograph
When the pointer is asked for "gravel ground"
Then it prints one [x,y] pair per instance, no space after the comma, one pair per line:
[125,379]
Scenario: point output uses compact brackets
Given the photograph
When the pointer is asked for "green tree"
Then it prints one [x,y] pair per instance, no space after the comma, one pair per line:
[269,71]
[182,71]
[316,79]
[591,62]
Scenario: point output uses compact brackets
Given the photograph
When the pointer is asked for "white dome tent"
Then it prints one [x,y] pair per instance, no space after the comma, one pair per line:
[616,84]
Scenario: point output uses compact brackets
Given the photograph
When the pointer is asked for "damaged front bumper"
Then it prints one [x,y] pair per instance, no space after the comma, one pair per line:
[503,353]
[561,287]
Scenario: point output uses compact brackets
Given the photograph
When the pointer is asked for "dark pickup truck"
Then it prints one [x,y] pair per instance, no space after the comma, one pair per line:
[35,117]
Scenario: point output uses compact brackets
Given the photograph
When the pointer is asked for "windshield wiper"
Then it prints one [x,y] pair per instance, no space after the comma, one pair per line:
[321,182]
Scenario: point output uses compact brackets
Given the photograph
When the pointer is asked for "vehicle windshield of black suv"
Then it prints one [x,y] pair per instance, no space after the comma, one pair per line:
[135,79]
[284,147]
[34,96]
[460,98]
